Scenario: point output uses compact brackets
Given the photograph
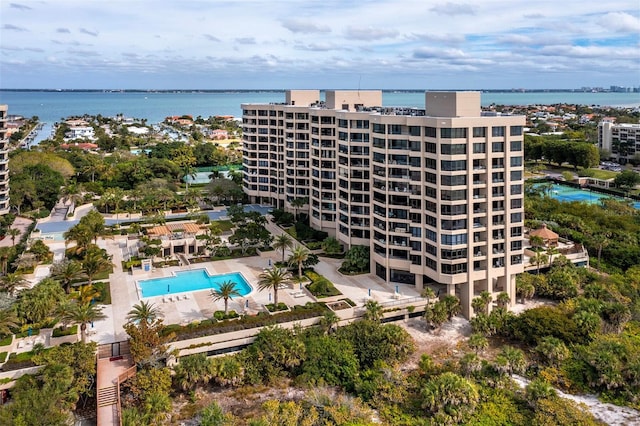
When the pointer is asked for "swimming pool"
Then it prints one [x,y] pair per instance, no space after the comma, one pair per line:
[197,279]
[568,193]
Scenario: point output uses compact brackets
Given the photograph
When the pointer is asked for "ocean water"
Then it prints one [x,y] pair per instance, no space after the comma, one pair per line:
[51,107]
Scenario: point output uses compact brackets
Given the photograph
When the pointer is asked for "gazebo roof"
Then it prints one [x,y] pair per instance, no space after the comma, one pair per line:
[188,228]
[544,233]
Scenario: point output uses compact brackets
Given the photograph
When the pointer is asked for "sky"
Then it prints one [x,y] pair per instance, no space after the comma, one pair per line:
[339,44]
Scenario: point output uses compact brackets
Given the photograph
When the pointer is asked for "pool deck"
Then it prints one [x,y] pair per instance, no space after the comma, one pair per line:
[198,305]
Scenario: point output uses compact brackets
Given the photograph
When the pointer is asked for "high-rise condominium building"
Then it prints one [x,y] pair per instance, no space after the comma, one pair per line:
[436,193]
[4,162]
[622,140]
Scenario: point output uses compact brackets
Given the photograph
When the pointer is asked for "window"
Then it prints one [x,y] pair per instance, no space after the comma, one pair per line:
[515,131]
[516,145]
[430,192]
[447,210]
[430,249]
[516,231]
[430,132]
[430,177]
[516,189]
[516,217]
[479,132]
[453,180]
[430,263]
[497,147]
[430,220]
[430,163]
[431,235]
[379,128]
[497,131]
[454,254]
[415,130]
[516,260]
[453,165]
[395,129]
[452,240]
[516,175]
[430,147]
[460,194]
[453,149]
[430,206]
[454,225]
[516,161]
[516,245]
[516,203]
[453,133]
[459,268]
[479,148]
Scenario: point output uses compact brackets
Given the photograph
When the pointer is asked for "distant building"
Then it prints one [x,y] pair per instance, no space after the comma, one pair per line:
[435,192]
[4,162]
[621,140]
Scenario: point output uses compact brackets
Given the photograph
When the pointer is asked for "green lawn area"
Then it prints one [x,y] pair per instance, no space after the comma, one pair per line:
[225,225]
[602,174]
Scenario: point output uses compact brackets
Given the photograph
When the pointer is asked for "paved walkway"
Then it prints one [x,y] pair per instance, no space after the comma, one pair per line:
[21,224]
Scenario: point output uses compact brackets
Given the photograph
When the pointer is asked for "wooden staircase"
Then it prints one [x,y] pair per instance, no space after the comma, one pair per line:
[107,396]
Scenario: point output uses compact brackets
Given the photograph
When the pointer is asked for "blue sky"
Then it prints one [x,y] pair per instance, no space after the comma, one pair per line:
[386,44]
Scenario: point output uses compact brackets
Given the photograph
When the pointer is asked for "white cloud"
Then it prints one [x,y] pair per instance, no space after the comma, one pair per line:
[454,9]
[620,22]
[369,33]
[296,25]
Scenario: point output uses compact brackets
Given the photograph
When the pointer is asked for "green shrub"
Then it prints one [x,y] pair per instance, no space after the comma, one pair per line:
[220,315]
[70,331]
[320,286]
[281,307]
[6,341]
[3,356]
[25,333]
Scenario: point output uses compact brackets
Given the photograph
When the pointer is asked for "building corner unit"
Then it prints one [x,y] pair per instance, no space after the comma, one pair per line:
[435,192]
[4,162]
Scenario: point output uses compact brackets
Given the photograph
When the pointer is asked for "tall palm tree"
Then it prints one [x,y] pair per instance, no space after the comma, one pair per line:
[525,290]
[601,241]
[538,259]
[95,263]
[503,299]
[145,312]
[282,242]
[66,271]
[296,203]
[8,320]
[428,294]
[273,279]
[83,314]
[5,254]
[13,233]
[227,290]
[11,282]
[374,310]
[298,256]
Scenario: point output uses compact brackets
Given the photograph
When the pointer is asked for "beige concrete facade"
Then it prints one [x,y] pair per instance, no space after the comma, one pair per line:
[621,140]
[436,193]
[4,161]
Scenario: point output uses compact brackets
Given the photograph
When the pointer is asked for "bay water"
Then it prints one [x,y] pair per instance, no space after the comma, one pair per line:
[54,106]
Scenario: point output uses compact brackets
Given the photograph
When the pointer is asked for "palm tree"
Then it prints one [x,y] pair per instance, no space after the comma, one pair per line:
[282,242]
[328,321]
[374,310]
[227,290]
[601,241]
[83,314]
[5,254]
[145,312]
[8,320]
[66,271]
[13,233]
[525,290]
[428,294]
[95,263]
[296,203]
[478,342]
[503,299]
[298,256]
[87,293]
[12,282]
[538,259]
[273,279]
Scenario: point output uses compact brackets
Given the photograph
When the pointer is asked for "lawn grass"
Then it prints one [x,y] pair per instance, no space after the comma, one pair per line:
[6,341]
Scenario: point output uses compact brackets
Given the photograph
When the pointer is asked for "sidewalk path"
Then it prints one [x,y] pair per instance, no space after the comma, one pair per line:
[21,223]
